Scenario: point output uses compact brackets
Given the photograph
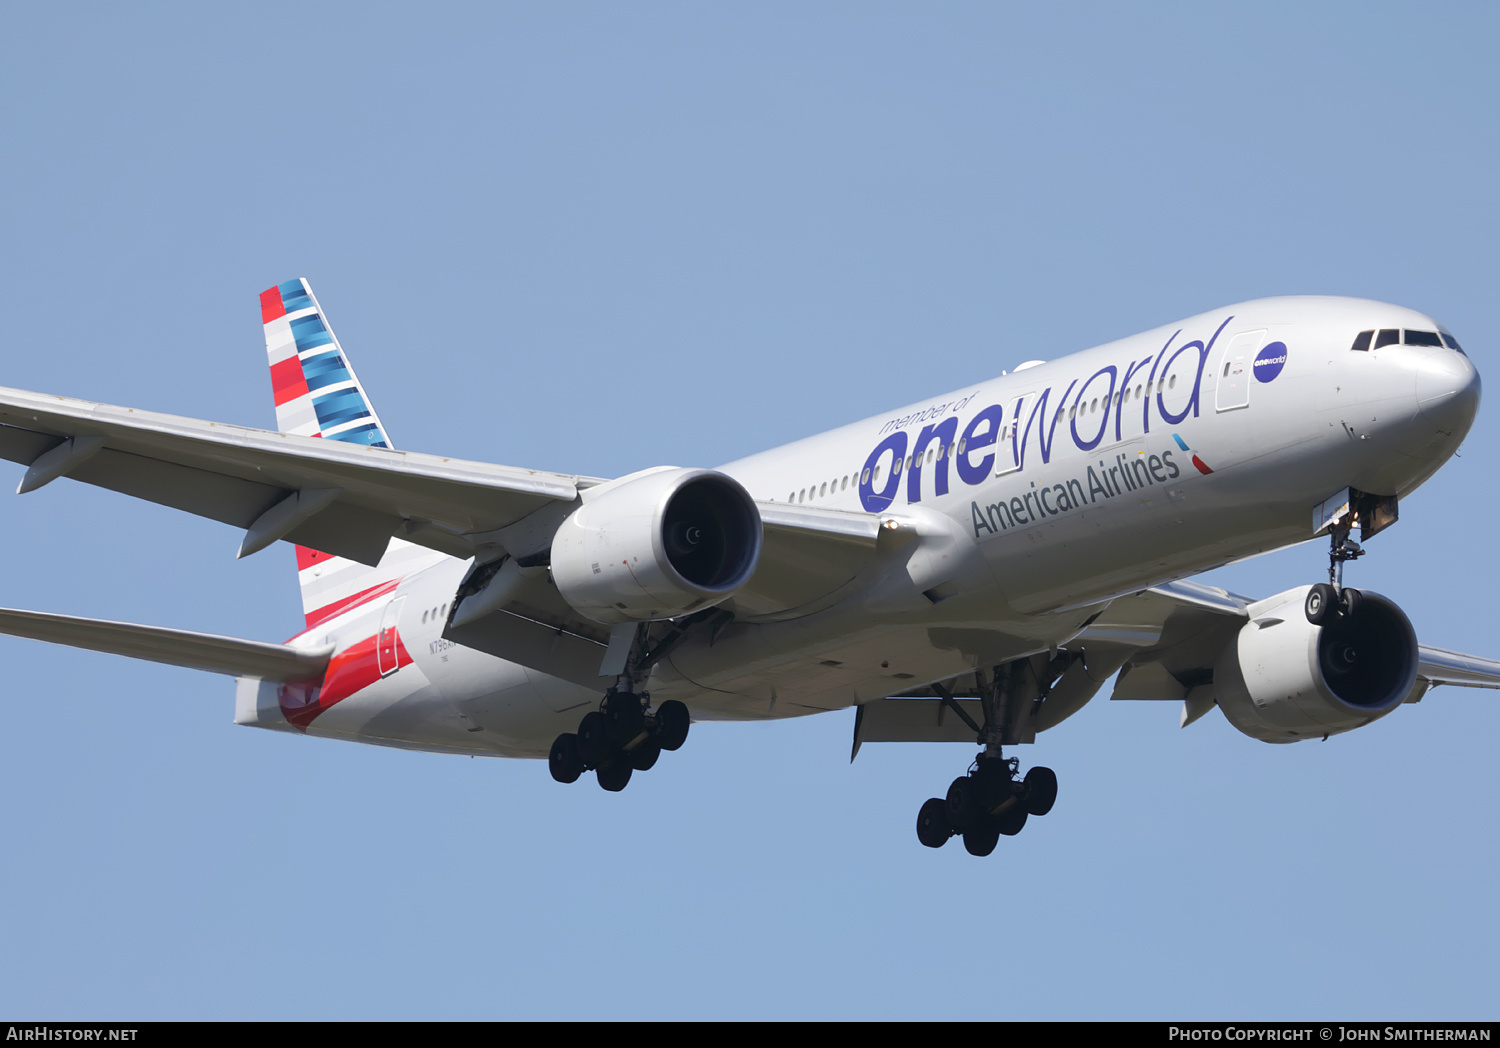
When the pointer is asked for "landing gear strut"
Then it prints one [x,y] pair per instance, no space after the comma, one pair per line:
[625,734]
[992,800]
[1331,600]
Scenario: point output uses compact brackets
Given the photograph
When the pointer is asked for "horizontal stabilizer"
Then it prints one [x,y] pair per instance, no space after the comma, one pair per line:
[197,651]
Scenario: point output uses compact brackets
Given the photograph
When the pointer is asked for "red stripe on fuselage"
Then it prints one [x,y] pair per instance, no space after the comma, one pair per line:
[1201,467]
[287,381]
[338,607]
[350,671]
[270,305]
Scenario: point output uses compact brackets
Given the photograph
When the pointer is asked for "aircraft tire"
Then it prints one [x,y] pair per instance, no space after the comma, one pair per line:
[1321,604]
[1011,822]
[1041,790]
[624,718]
[932,823]
[593,739]
[1349,602]
[962,804]
[614,775]
[672,722]
[564,762]
[981,840]
[644,756]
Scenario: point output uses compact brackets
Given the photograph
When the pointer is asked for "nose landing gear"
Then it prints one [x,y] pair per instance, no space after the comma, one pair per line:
[1329,601]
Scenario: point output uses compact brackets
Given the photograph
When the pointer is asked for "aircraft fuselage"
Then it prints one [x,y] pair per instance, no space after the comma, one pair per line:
[1027,503]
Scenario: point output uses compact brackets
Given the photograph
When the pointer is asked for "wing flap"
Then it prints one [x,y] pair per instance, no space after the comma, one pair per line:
[217,496]
[808,556]
[197,651]
[547,648]
[915,720]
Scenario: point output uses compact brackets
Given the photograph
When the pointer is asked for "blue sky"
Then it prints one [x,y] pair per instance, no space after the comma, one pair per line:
[596,238]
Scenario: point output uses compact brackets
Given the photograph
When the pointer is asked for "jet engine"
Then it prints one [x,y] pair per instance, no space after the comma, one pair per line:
[656,545]
[1283,679]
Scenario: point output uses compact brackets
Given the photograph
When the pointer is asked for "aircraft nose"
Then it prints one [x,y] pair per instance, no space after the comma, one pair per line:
[1447,389]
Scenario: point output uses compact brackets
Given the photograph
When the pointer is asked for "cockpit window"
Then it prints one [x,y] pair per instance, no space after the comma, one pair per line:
[1398,336]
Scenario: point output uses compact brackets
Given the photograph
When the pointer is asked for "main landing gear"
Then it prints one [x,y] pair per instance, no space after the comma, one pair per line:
[987,803]
[992,800]
[626,734]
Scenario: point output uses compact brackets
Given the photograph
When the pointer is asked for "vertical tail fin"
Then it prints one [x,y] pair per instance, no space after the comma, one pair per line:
[318,395]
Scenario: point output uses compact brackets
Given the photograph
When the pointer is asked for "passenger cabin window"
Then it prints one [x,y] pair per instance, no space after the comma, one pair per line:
[1388,337]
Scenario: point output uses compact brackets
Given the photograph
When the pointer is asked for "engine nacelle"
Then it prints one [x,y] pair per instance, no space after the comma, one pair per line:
[1282,679]
[656,545]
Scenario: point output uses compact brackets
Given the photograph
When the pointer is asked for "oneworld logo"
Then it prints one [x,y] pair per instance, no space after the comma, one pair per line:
[1269,361]
[1119,400]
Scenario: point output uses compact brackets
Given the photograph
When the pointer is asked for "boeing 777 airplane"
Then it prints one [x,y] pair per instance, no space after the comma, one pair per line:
[969,568]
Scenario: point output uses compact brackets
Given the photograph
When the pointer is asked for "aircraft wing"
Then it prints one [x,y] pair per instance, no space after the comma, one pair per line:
[349,499]
[1197,620]
[810,558]
[342,498]
[1440,666]
[197,651]
[1164,642]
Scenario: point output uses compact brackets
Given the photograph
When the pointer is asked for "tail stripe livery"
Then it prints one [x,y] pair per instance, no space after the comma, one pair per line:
[334,585]
[318,395]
